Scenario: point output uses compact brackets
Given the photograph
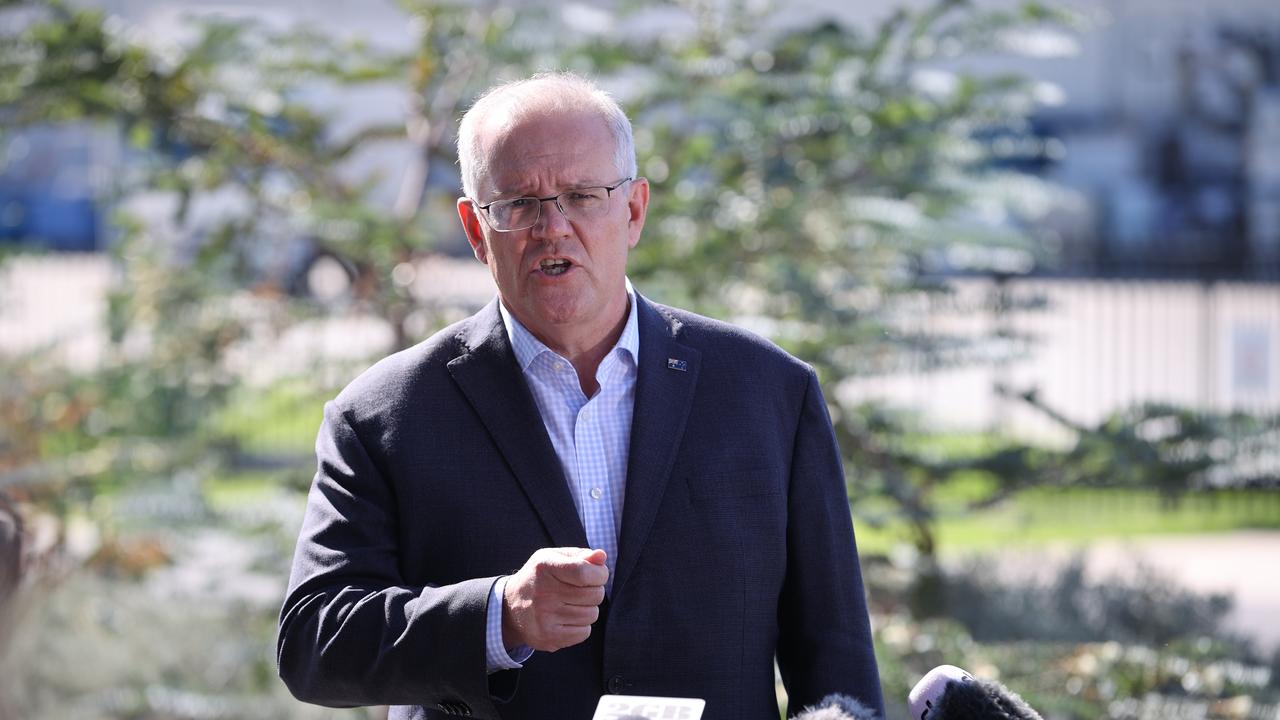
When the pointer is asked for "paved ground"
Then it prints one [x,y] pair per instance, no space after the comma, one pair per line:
[1245,564]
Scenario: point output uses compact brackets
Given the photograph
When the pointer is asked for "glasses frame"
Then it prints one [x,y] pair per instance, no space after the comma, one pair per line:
[608,190]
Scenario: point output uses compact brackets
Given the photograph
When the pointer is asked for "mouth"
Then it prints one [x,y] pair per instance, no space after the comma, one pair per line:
[554,266]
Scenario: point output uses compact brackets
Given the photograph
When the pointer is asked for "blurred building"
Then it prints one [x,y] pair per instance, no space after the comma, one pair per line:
[1165,114]
[1168,117]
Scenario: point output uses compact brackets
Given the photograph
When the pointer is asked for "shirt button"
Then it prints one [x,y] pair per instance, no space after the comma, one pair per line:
[558,366]
[596,493]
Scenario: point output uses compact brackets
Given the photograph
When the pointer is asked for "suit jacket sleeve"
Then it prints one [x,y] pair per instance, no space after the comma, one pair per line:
[352,632]
[825,642]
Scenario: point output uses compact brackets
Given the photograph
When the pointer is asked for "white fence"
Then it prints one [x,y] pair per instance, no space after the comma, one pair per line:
[1101,345]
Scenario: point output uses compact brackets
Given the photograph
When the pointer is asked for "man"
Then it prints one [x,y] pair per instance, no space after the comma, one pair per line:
[575,491]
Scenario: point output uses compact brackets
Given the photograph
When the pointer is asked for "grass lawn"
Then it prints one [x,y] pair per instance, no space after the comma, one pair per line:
[279,420]
[247,488]
[1082,515]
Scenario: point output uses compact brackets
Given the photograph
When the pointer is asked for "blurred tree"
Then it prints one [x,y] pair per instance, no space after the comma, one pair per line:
[230,176]
[817,182]
[1163,447]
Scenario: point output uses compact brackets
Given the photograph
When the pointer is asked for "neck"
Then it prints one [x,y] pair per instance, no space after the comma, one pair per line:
[585,345]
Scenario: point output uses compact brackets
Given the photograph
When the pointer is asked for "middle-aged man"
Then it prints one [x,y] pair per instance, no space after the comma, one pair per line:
[575,491]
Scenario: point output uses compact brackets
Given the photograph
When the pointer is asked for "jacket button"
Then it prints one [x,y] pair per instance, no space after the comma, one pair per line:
[616,684]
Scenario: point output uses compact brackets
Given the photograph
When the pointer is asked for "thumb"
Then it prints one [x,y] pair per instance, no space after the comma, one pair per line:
[596,557]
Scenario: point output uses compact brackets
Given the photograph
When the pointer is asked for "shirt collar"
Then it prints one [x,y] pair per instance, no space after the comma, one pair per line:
[527,347]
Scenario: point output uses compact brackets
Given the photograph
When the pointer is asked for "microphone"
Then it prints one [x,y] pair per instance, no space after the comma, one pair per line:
[949,693]
[944,693]
[928,693]
[838,707]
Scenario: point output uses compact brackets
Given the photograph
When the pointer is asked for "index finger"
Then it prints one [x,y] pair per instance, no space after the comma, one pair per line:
[580,572]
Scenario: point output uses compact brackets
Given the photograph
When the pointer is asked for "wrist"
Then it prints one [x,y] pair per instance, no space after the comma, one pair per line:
[512,639]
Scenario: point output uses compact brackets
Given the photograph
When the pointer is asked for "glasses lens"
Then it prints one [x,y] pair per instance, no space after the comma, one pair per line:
[586,203]
[514,214]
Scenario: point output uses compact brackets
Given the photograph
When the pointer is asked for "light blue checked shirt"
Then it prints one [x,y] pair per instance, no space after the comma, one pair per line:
[592,438]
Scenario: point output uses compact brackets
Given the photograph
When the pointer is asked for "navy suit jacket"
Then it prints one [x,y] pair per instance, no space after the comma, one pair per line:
[436,475]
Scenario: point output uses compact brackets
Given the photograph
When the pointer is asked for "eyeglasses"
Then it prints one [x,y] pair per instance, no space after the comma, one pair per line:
[522,213]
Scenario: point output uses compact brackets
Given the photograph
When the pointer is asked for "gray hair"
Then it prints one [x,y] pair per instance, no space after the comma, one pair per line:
[542,92]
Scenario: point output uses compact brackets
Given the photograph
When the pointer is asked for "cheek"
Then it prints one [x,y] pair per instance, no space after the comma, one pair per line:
[506,261]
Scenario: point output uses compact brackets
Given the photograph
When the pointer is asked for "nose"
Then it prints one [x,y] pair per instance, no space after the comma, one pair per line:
[553,223]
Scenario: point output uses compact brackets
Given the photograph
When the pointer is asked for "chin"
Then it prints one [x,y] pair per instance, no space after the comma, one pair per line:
[561,316]
[560,308]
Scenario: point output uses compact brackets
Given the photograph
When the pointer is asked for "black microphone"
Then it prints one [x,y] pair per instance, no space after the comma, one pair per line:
[949,693]
[944,693]
[838,707]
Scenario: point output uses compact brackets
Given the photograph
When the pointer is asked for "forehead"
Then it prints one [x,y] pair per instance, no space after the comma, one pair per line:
[543,150]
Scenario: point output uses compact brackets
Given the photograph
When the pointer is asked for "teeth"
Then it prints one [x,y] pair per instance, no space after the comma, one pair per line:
[554,266]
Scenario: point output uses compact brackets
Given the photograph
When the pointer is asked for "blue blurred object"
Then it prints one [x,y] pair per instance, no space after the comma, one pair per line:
[50,222]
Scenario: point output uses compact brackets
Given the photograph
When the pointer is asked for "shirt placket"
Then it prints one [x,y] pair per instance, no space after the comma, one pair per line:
[594,462]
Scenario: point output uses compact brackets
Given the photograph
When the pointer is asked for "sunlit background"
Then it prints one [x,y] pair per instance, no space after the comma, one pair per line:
[1033,251]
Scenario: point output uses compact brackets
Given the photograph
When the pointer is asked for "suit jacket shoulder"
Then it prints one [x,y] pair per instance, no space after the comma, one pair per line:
[384,388]
[730,347]
[734,358]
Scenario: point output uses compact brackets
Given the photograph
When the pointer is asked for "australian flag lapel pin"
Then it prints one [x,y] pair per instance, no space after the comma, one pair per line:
[674,364]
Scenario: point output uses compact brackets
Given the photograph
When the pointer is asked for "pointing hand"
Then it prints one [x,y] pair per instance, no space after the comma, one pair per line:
[551,602]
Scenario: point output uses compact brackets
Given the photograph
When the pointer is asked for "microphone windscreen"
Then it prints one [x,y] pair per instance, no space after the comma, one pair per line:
[949,693]
[838,707]
[927,693]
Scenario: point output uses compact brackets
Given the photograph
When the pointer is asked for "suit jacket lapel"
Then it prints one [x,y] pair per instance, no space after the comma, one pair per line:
[491,379]
[663,397]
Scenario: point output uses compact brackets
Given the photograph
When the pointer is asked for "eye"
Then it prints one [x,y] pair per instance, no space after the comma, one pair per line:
[519,203]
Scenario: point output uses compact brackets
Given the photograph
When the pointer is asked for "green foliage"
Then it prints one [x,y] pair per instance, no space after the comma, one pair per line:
[1168,448]
[277,421]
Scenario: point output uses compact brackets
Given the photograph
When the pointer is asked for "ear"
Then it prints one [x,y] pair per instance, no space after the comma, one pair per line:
[472,225]
[637,209]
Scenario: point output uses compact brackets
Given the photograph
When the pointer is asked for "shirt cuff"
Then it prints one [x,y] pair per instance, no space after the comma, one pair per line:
[496,655]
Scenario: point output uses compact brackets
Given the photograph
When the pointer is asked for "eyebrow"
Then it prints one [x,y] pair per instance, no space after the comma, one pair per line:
[506,194]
